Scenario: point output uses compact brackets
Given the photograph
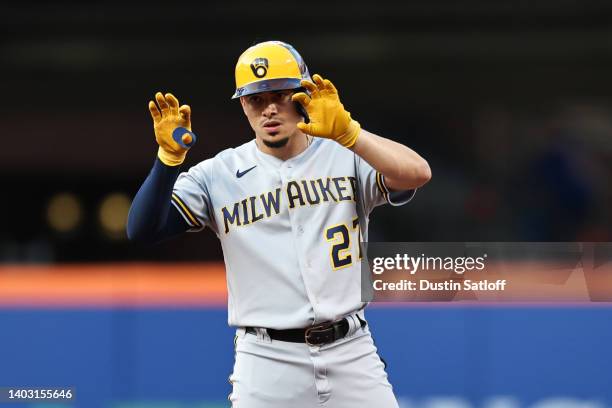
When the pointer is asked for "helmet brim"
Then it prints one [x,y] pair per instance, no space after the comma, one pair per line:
[267,85]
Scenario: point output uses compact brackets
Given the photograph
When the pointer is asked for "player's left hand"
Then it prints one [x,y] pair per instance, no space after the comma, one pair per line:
[328,118]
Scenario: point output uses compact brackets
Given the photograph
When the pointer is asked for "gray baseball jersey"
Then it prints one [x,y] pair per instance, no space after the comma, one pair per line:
[289,229]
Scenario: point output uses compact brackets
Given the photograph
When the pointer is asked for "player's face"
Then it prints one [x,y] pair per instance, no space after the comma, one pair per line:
[272,116]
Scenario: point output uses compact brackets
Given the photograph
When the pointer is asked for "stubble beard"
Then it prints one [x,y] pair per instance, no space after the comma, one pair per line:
[276,144]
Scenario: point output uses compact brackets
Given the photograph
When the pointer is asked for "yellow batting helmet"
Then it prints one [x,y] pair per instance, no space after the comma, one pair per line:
[269,66]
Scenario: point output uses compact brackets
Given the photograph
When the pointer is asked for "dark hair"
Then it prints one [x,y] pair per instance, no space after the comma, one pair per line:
[299,107]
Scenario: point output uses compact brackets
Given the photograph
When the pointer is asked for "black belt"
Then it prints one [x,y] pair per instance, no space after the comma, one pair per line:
[323,333]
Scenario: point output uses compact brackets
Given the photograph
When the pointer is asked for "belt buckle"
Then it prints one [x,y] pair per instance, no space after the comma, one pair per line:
[323,326]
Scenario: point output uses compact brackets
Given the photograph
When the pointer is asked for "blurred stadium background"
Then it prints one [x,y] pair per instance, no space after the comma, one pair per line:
[510,102]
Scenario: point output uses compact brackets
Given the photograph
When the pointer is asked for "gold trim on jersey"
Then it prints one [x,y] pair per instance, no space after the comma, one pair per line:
[185,211]
[380,182]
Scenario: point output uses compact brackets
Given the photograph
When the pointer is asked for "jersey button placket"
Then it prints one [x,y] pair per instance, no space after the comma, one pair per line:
[298,232]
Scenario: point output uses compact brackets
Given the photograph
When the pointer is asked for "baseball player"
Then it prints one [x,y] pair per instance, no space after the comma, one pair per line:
[289,208]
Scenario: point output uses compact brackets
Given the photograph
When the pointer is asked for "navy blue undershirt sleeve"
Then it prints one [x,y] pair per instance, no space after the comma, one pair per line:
[152,218]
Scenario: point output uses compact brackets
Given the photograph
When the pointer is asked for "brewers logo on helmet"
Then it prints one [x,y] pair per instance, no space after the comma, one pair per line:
[260,67]
[269,66]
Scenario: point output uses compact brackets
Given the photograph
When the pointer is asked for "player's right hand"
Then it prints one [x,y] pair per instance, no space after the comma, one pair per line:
[168,117]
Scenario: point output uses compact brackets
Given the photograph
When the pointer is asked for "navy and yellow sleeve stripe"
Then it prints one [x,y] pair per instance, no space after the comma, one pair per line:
[380,182]
[395,198]
[185,212]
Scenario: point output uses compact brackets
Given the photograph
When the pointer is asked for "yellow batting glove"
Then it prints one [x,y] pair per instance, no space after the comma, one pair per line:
[328,118]
[172,125]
